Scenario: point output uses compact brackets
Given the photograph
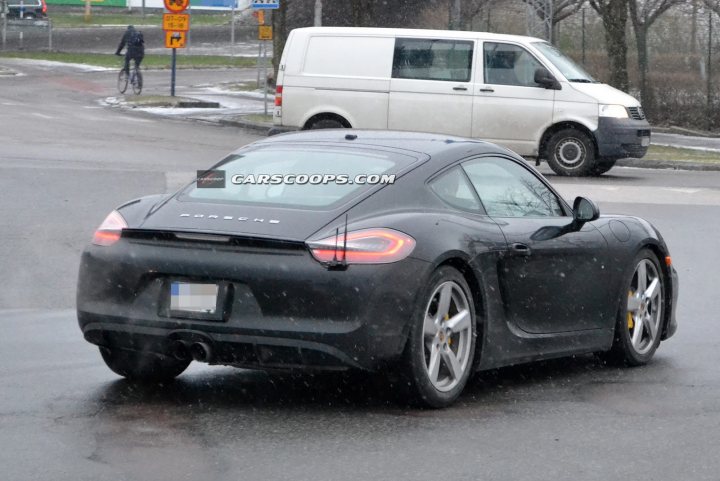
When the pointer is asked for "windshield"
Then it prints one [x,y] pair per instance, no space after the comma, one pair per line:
[570,70]
[305,177]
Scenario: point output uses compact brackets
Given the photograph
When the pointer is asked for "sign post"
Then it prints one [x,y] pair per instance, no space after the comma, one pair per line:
[176,25]
[265,33]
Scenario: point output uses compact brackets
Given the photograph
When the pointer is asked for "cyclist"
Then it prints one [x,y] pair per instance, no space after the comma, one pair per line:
[135,43]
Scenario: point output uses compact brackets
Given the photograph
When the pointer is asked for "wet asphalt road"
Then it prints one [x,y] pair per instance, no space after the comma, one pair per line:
[65,162]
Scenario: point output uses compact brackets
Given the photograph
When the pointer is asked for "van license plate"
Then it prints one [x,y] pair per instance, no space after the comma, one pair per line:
[644,141]
[189,297]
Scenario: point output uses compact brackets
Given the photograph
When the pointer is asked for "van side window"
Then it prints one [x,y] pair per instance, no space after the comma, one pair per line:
[507,64]
[433,59]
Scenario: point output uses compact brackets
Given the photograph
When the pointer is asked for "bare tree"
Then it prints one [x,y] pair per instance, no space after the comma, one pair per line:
[614,14]
[560,10]
[362,12]
[643,14]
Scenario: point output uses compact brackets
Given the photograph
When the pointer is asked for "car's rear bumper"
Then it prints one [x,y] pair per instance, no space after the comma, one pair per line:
[622,138]
[282,311]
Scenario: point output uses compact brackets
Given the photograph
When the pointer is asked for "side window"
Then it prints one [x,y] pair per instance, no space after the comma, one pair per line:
[507,189]
[432,59]
[453,188]
[507,64]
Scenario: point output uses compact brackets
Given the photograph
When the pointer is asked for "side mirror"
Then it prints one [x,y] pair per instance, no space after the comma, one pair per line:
[585,210]
[545,79]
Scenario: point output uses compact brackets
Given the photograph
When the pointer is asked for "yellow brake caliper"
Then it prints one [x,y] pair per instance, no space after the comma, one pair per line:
[630,321]
[447,318]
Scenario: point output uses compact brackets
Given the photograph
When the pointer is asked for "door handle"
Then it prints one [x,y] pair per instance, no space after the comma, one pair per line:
[520,249]
[487,89]
[459,87]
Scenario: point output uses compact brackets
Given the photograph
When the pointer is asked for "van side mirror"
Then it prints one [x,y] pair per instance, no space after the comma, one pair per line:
[545,79]
[585,210]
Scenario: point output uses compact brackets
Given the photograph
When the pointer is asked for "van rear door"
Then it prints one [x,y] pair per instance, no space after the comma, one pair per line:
[509,108]
[431,86]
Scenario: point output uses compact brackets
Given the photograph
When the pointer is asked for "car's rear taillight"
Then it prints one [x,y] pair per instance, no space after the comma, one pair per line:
[44,6]
[366,246]
[110,230]
[278,96]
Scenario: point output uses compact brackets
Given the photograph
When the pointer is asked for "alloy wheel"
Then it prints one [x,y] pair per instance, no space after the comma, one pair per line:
[447,336]
[644,307]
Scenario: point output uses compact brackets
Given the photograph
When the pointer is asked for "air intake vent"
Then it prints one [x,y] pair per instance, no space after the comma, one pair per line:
[637,113]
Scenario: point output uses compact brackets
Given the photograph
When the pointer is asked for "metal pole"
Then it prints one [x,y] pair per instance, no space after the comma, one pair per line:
[142,9]
[187,35]
[583,35]
[318,13]
[709,70]
[265,86]
[50,45]
[4,19]
[232,27]
[172,74]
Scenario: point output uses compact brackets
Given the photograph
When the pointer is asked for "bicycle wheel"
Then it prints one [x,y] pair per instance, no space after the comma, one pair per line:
[122,81]
[137,82]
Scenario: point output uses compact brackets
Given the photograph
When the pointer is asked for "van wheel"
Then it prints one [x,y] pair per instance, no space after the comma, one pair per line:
[570,152]
[326,124]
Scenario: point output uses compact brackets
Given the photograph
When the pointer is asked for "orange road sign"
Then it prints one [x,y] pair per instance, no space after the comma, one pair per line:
[175,39]
[177,6]
[177,22]
[265,32]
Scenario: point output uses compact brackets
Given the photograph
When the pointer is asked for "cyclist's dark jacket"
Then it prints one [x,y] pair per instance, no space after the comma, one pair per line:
[133,51]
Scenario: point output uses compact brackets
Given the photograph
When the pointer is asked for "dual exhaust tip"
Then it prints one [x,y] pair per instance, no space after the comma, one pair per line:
[197,351]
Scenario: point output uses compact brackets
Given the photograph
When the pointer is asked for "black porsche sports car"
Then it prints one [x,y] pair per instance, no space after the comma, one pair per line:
[431,255]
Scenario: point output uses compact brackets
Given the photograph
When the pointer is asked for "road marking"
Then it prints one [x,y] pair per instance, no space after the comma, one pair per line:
[134,119]
[634,194]
[43,116]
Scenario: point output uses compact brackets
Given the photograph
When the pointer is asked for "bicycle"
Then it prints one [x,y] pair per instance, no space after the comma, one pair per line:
[134,78]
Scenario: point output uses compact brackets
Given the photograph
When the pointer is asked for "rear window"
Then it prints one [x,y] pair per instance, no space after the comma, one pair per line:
[291,176]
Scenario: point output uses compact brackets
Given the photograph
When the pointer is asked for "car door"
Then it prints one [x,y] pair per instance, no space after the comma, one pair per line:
[549,285]
[509,108]
[431,86]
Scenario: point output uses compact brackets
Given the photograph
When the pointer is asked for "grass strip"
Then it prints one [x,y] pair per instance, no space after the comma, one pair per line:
[679,154]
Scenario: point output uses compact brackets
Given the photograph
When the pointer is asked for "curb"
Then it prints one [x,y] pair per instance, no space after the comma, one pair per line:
[246,124]
[684,131]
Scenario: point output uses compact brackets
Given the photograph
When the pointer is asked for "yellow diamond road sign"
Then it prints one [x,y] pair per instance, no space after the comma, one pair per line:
[177,22]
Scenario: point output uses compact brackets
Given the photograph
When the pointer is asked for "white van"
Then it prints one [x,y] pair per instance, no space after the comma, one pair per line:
[519,92]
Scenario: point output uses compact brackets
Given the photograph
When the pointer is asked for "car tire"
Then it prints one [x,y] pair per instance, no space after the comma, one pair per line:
[326,123]
[428,369]
[642,309]
[602,167]
[570,152]
[142,366]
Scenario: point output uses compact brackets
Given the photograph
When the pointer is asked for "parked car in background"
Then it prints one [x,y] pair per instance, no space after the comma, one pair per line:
[27,9]
[519,92]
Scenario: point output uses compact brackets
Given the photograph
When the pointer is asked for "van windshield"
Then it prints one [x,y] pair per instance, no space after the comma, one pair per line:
[572,71]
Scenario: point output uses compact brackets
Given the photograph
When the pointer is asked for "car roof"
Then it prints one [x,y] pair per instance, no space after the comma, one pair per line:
[408,32]
[418,142]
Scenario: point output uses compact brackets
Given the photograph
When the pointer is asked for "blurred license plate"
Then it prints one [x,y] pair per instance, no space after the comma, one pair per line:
[644,141]
[188,297]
